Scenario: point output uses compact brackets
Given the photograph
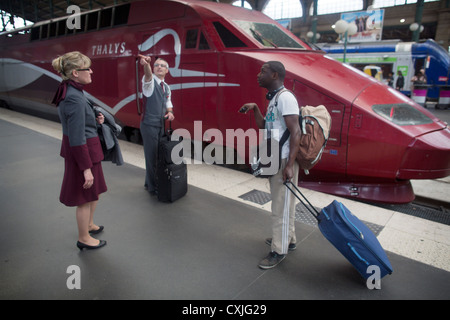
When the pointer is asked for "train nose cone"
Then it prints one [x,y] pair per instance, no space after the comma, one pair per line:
[427,157]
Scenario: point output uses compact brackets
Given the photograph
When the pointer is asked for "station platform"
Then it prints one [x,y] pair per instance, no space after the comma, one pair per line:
[205,246]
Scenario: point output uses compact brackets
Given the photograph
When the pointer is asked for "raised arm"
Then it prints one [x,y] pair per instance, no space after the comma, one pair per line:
[145,61]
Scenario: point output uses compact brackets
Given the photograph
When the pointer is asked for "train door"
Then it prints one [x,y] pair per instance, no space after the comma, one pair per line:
[198,87]
[337,142]
[192,79]
[419,63]
[404,65]
[139,74]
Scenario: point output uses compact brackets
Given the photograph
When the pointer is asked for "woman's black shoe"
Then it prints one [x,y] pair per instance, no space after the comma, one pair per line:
[100,229]
[82,246]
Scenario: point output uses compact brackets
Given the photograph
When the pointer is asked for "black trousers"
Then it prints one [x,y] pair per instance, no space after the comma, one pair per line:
[151,136]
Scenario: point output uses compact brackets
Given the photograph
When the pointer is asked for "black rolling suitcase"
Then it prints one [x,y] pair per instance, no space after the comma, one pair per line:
[349,235]
[171,178]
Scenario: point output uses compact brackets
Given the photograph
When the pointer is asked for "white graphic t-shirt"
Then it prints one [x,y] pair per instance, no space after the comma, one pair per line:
[283,104]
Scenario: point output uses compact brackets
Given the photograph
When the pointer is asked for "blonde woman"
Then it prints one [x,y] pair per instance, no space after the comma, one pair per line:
[83,180]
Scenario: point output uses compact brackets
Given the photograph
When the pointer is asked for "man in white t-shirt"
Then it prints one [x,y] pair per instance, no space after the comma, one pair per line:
[282,113]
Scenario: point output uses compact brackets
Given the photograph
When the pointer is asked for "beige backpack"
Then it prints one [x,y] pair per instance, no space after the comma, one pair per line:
[315,125]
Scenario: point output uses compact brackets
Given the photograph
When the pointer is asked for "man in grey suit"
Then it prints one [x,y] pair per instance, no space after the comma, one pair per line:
[157,106]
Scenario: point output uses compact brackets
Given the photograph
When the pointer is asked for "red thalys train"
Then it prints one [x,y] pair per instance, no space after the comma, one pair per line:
[379,139]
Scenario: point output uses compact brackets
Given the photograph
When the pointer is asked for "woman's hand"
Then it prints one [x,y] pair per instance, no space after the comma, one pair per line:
[100,118]
[88,179]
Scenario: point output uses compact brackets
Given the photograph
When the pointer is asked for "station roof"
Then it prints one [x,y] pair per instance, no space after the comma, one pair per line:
[35,11]
[41,10]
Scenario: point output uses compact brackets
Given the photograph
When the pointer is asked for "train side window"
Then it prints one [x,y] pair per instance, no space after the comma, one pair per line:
[401,114]
[121,14]
[229,39]
[83,24]
[191,39]
[44,31]
[92,20]
[35,32]
[106,18]
[269,35]
[53,29]
[203,44]
[62,27]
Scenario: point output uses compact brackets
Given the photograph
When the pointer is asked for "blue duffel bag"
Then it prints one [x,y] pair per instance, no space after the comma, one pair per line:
[350,236]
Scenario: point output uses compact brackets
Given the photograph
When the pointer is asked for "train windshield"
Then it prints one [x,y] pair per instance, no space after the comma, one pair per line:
[401,114]
[269,35]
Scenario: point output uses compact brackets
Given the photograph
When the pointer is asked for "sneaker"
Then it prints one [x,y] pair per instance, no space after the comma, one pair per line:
[271,260]
[291,247]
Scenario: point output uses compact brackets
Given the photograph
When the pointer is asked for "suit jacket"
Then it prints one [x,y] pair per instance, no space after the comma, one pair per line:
[80,139]
[108,133]
[155,106]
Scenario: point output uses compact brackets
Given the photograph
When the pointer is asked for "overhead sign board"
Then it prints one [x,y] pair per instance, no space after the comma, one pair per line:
[369,24]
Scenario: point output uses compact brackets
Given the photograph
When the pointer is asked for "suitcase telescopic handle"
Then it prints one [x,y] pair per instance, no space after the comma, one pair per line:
[308,204]
[163,121]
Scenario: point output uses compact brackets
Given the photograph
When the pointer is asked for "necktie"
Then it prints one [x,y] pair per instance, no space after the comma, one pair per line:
[162,86]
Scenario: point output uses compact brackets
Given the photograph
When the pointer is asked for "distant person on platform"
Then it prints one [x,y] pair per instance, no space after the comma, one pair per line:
[83,180]
[400,83]
[390,80]
[419,79]
[157,107]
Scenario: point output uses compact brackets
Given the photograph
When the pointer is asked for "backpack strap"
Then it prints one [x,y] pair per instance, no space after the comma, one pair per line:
[284,137]
[278,94]
[286,133]
[280,116]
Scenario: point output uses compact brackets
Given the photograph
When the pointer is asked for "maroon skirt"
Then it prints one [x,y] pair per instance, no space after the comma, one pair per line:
[72,191]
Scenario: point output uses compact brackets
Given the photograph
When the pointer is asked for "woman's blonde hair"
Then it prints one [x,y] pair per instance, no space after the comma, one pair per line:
[70,61]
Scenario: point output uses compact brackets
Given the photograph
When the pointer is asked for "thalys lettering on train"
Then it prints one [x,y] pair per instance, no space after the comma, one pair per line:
[110,48]
[379,138]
